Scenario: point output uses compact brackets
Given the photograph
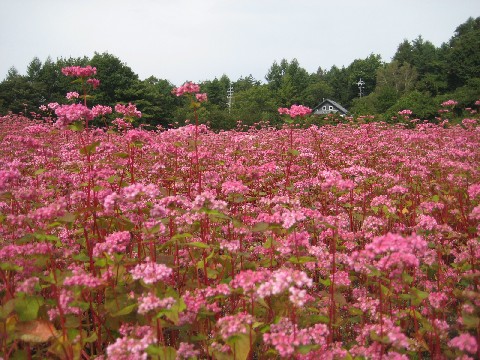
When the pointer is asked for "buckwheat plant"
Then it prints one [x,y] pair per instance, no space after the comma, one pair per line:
[358,240]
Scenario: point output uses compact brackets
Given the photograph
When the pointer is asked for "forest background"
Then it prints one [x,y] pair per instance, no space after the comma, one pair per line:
[419,77]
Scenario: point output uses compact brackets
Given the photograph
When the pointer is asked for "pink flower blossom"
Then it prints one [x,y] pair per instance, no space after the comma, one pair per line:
[53,105]
[151,302]
[234,324]
[151,272]
[129,110]
[186,351]
[474,191]
[234,186]
[295,110]
[464,342]
[100,110]
[437,299]
[132,345]
[286,336]
[188,87]
[116,242]
[201,97]
[78,71]
[28,285]
[68,114]
[81,278]
[72,95]
[449,103]
[94,82]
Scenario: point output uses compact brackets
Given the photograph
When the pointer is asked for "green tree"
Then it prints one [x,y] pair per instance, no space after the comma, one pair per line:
[18,94]
[116,78]
[288,81]
[255,104]
[365,69]
[34,69]
[463,53]
[153,97]
[216,90]
[245,83]
[401,78]
[422,104]
[404,53]
[340,83]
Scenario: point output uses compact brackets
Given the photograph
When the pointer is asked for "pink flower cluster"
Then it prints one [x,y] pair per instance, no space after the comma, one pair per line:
[396,250]
[78,71]
[286,336]
[150,302]
[234,324]
[201,97]
[234,186]
[133,344]
[464,342]
[405,112]
[188,87]
[94,82]
[65,298]
[100,110]
[81,278]
[151,272]
[295,110]
[116,242]
[186,351]
[129,110]
[449,103]
[68,114]
[72,95]
[286,279]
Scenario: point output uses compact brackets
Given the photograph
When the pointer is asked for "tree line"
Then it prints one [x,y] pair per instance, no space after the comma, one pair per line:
[419,77]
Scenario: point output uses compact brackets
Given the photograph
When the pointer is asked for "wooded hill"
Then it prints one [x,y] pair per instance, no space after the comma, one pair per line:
[420,76]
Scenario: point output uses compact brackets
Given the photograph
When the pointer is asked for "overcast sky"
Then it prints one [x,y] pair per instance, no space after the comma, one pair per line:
[199,40]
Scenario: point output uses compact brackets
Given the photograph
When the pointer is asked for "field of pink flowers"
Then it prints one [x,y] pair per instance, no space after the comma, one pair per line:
[335,242]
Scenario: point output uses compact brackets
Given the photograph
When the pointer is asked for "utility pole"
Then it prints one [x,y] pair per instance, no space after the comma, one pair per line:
[360,85]
[229,98]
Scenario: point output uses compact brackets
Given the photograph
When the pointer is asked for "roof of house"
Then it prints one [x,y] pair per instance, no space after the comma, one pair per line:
[337,105]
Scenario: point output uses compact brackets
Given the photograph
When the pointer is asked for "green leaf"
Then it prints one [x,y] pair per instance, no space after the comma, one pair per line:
[27,308]
[470,321]
[407,278]
[7,309]
[163,352]
[381,339]
[77,126]
[10,267]
[240,346]
[293,152]
[89,149]
[121,155]
[68,218]
[125,311]
[173,312]
[181,236]
[197,244]
[91,338]
[305,349]
[81,257]
[418,295]
[301,259]
[261,226]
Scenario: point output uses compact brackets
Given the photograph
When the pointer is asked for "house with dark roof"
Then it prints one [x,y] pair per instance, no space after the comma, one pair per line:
[328,106]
